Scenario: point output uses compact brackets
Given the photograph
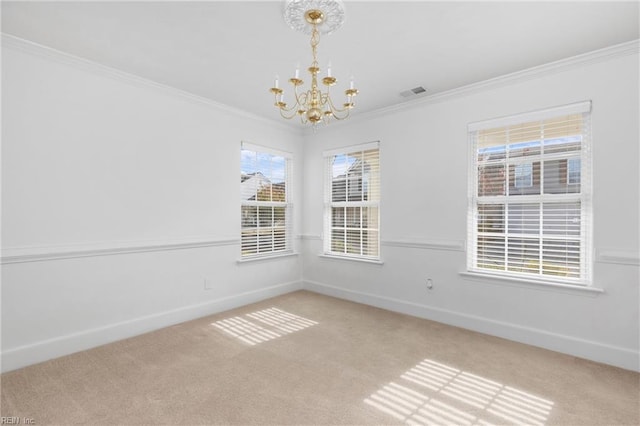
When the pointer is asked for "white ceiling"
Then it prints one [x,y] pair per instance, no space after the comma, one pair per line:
[230,51]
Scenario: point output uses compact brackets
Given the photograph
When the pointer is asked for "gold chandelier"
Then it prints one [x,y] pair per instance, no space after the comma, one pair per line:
[313,105]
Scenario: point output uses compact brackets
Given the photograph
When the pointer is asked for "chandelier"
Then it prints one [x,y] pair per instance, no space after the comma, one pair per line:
[314,105]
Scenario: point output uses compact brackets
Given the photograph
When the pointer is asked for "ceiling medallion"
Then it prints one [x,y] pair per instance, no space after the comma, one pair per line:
[313,106]
[332,10]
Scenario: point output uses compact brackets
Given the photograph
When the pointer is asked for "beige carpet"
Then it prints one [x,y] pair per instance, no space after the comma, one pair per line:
[304,358]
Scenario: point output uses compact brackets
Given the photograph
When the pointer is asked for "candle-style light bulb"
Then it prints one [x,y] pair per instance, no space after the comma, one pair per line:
[351,83]
[329,69]
[275,83]
[297,74]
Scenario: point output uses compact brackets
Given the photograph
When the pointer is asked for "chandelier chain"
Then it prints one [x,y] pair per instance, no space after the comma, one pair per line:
[315,40]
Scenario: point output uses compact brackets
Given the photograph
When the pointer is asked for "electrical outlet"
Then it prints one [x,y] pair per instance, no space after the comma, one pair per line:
[208,285]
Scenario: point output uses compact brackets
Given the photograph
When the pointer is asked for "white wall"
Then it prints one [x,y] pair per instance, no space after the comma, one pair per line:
[120,206]
[120,209]
[424,201]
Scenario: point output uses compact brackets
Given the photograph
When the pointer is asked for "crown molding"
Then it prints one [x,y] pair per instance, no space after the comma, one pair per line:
[601,55]
[36,49]
[596,56]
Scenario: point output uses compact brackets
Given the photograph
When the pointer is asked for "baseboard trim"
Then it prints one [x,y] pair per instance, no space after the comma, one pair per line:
[23,356]
[594,351]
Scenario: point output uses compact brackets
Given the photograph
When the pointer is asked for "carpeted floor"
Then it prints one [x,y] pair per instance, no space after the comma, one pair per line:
[304,358]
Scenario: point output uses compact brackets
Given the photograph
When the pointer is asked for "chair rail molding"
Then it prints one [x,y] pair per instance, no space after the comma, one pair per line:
[425,244]
[618,256]
[72,251]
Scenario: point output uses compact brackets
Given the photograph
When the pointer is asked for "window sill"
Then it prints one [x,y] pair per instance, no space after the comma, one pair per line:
[257,258]
[352,259]
[541,284]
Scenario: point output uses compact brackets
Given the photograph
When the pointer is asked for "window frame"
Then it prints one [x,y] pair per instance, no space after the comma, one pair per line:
[543,199]
[372,204]
[279,246]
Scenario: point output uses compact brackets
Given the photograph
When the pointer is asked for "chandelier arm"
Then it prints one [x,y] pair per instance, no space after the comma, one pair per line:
[294,109]
[284,110]
[283,115]
[281,105]
[336,111]
[301,99]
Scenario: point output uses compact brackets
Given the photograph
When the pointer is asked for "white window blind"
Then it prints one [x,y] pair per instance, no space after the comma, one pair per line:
[530,195]
[352,202]
[266,208]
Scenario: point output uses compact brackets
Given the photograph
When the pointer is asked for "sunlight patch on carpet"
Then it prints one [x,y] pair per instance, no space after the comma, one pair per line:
[269,324]
[435,393]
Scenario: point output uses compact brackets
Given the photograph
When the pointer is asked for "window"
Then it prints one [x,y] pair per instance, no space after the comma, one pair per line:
[524,175]
[265,193]
[573,171]
[530,195]
[352,202]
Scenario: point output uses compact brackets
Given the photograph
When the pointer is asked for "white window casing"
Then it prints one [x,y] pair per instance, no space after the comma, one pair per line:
[265,198]
[530,201]
[352,202]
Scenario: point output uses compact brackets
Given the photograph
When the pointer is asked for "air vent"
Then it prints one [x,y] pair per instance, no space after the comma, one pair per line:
[413,92]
